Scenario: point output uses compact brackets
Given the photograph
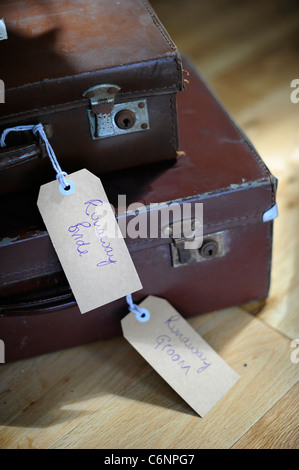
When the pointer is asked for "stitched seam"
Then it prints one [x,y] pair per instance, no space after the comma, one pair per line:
[253,153]
[134,92]
[223,222]
[167,39]
[234,219]
[51,109]
[83,74]
[158,24]
[179,66]
[173,125]
[269,261]
[147,240]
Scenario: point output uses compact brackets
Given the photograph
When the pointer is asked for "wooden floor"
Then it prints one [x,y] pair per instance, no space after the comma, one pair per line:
[105,395]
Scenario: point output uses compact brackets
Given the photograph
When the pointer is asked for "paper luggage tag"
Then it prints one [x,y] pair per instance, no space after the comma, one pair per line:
[177,352]
[87,240]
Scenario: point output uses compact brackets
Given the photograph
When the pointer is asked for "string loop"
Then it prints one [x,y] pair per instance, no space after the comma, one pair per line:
[141,314]
[38,129]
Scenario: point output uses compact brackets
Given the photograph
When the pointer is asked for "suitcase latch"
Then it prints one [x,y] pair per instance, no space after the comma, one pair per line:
[107,118]
[208,247]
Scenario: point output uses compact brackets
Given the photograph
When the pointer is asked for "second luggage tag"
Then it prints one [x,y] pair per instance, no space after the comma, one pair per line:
[83,229]
[178,353]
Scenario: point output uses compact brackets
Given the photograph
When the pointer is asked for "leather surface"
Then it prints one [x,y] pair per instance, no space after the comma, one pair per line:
[55,51]
[75,148]
[54,40]
[220,169]
[219,165]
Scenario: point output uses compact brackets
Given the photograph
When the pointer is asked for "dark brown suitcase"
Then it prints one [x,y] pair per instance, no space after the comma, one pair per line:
[221,169]
[101,75]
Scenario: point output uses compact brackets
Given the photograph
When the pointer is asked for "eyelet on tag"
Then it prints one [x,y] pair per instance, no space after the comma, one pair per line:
[142,315]
[67,192]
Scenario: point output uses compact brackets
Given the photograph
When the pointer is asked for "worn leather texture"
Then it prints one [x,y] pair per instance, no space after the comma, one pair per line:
[220,168]
[55,51]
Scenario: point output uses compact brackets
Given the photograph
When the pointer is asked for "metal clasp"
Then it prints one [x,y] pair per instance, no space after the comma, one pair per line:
[106,118]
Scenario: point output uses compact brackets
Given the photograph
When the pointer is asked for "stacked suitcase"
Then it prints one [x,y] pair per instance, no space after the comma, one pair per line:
[213,164]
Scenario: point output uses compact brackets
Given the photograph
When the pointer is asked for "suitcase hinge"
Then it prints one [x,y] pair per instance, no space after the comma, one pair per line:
[106,118]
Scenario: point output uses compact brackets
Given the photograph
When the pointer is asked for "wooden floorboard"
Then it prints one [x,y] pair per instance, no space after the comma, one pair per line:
[284,416]
[106,396]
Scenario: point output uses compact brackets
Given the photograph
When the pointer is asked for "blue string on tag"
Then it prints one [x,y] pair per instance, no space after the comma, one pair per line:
[141,314]
[66,187]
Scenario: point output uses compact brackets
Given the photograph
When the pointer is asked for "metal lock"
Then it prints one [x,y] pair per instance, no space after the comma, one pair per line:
[213,246]
[125,119]
[107,119]
[209,249]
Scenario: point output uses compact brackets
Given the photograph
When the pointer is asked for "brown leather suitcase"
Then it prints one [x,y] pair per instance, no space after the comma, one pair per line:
[221,169]
[101,75]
